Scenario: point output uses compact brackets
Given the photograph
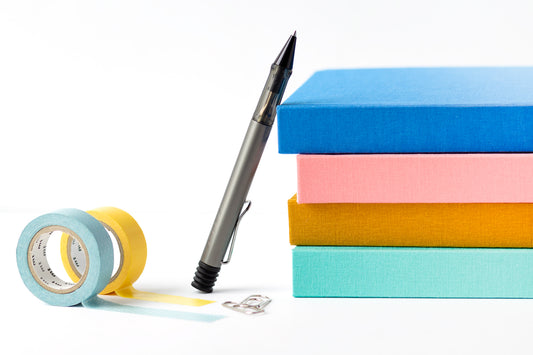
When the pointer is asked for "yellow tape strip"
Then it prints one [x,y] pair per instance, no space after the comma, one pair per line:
[133,252]
[130,292]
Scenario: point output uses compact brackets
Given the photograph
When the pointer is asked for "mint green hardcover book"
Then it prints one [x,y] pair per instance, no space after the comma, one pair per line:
[412,272]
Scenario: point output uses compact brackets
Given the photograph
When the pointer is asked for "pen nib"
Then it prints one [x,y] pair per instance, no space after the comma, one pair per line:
[285,58]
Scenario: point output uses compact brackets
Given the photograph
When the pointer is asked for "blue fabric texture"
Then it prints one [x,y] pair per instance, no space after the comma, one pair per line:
[410,110]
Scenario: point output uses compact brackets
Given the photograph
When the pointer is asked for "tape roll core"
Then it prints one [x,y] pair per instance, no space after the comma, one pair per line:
[40,268]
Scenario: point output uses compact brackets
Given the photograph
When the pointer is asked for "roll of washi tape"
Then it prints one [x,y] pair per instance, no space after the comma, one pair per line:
[36,272]
[95,267]
[133,253]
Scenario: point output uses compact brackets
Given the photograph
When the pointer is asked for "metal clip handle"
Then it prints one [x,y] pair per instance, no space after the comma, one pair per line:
[246,206]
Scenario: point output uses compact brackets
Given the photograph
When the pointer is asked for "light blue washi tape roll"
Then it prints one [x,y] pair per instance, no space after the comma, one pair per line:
[93,238]
[36,272]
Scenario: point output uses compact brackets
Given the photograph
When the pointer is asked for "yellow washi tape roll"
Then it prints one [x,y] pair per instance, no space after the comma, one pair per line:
[133,253]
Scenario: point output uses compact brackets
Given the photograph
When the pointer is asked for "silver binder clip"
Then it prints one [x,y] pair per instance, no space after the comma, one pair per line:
[246,206]
[253,304]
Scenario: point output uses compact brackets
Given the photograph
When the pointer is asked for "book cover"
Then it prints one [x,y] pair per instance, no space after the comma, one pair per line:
[505,225]
[410,110]
[412,272]
[415,178]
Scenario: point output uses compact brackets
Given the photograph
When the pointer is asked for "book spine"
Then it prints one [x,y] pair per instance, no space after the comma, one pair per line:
[321,129]
[506,225]
[412,272]
[415,178]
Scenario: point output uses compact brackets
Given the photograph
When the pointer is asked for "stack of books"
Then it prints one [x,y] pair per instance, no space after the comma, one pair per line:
[413,182]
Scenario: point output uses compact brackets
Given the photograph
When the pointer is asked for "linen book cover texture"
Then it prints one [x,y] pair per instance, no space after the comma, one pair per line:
[506,225]
[412,272]
[410,110]
[415,178]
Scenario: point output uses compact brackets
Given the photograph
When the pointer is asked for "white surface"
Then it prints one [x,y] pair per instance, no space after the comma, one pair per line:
[140,105]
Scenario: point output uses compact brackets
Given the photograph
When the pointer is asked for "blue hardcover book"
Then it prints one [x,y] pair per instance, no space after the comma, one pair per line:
[410,110]
[412,272]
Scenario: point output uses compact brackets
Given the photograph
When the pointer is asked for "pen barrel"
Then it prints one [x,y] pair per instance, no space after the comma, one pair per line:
[235,194]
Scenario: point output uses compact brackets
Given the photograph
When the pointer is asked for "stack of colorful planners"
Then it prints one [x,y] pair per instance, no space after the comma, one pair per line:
[412,182]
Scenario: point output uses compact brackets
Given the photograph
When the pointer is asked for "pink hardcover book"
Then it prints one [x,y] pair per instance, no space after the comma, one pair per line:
[415,178]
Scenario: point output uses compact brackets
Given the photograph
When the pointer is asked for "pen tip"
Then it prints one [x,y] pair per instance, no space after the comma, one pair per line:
[286,56]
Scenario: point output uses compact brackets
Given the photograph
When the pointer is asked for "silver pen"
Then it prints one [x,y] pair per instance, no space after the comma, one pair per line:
[234,204]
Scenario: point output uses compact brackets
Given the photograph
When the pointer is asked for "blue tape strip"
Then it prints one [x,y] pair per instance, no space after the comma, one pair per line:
[101,304]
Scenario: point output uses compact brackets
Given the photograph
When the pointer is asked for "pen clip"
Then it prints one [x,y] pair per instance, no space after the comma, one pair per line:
[246,206]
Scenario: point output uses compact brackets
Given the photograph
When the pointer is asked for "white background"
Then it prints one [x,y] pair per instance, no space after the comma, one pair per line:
[143,105]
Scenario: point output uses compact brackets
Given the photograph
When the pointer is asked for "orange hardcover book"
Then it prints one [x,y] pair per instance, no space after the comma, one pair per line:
[505,225]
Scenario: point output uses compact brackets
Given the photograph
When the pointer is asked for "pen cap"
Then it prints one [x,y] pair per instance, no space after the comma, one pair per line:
[205,277]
